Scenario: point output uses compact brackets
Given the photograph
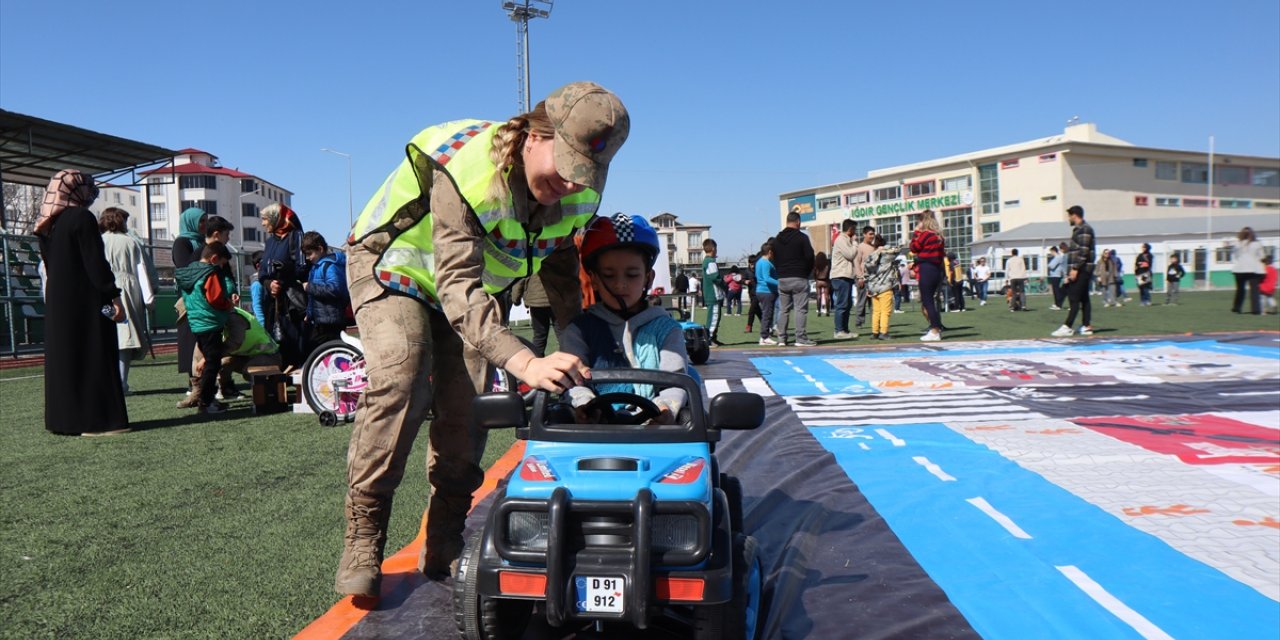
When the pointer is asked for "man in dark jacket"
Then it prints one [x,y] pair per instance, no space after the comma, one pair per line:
[793,259]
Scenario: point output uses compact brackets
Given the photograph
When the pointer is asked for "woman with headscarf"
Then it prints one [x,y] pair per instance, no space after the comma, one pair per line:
[129,267]
[282,272]
[186,249]
[82,391]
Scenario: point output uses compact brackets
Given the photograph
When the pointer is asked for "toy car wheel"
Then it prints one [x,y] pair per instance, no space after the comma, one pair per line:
[739,618]
[700,355]
[480,617]
[732,488]
[328,419]
[329,360]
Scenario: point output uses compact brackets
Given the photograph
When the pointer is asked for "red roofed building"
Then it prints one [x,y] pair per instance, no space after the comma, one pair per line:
[197,180]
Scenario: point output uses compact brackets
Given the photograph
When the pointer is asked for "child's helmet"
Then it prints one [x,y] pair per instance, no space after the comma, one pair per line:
[617,231]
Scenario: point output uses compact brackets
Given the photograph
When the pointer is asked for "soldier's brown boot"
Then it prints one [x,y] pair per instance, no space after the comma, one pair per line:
[446,520]
[360,569]
[193,396]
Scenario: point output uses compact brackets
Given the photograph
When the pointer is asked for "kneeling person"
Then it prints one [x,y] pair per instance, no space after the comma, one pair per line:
[621,330]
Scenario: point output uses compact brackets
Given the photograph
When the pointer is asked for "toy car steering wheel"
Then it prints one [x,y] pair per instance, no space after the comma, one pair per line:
[604,403]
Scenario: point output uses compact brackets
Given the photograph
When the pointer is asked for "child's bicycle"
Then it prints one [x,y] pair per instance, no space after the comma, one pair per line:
[333,380]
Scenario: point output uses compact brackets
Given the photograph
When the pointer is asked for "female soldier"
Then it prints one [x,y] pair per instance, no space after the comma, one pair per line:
[474,207]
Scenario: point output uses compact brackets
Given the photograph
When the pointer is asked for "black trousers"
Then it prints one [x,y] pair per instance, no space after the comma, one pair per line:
[542,321]
[1078,294]
[210,343]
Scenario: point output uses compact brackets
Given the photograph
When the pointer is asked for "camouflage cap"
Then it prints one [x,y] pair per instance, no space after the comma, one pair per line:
[591,125]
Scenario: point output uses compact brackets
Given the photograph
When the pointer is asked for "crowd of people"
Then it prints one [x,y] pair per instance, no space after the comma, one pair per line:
[429,295]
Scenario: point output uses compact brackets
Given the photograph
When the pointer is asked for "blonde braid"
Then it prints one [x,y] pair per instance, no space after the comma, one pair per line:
[504,154]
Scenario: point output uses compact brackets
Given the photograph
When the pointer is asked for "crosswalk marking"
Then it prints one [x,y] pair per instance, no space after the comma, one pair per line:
[757,386]
[717,386]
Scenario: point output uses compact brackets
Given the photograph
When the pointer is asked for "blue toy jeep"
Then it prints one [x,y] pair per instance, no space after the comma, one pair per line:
[616,526]
[697,342]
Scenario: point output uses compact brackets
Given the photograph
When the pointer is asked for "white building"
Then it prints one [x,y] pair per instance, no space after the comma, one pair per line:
[683,241]
[980,197]
[196,179]
[127,198]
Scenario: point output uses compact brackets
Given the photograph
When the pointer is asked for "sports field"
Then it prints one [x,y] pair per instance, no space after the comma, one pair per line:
[230,527]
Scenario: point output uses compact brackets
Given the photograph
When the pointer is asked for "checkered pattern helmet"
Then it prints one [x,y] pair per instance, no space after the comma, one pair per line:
[616,231]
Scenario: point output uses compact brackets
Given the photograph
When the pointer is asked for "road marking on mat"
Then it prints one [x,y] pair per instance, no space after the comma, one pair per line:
[934,469]
[897,442]
[757,386]
[716,387]
[1144,627]
[1248,393]
[864,446]
[1000,518]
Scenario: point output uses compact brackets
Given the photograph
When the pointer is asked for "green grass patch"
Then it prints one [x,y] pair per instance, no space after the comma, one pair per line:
[231,527]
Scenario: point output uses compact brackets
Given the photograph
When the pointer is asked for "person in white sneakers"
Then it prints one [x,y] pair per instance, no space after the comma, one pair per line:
[1080,258]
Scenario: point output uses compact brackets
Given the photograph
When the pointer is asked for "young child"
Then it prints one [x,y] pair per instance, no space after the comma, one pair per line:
[1173,279]
[882,283]
[712,291]
[621,330]
[256,294]
[766,292]
[326,287]
[1268,285]
[206,295]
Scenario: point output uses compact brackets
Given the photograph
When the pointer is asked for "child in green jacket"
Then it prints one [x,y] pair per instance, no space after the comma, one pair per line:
[207,297]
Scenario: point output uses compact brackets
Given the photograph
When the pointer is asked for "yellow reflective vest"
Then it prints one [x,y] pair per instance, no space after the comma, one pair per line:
[400,208]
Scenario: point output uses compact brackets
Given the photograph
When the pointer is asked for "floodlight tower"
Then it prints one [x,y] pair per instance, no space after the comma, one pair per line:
[520,11]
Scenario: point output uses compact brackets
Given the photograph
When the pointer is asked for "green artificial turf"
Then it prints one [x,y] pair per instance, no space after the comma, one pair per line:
[231,527]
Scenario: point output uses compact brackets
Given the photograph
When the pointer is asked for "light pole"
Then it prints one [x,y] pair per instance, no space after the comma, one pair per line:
[350,220]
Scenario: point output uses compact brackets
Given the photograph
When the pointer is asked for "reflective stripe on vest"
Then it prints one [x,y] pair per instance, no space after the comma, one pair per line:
[461,150]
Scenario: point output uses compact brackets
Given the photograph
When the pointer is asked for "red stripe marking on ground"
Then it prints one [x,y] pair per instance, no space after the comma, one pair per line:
[400,571]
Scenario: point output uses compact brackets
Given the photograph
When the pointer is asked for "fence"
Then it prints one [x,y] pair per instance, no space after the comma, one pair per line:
[22,299]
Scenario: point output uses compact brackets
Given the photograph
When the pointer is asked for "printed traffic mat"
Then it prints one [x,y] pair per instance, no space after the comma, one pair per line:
[1125,488]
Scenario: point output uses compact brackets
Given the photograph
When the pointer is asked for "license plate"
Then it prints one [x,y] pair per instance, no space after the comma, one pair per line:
[599,594]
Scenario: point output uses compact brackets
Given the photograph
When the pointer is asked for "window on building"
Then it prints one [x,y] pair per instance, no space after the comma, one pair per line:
[1010,204]
[853,199]
[832,202]
[1184,257]
[1266,177]
[159,211]
[1234,204]
[1230,174]
[695,257]
[1166,170]
[198,182]
[695,239]
[251,234]
[1048,157]
[1140,201]
[890,228]
[133,200]
[1223,254]
[1195,173]
[989,188]
[1009,164]
[1195,202]
[913,220]
[248,186]
[1266,205]
[958,183]
[990,228]
[920,189]
[160,233]
[248,210]
[1168,202]
[888,193]
[957,231]
[116,196]
[208,206]
[1139,162]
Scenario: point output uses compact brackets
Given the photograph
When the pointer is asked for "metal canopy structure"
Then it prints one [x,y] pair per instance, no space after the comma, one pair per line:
[32,150]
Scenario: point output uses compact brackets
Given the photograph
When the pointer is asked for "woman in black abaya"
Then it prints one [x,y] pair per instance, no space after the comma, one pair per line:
[82,391]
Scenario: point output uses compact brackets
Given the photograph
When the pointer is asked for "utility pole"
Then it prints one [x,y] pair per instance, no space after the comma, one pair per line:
[520,12]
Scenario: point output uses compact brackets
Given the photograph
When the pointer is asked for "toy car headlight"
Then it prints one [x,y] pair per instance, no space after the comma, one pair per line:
[528,530]
[675,532]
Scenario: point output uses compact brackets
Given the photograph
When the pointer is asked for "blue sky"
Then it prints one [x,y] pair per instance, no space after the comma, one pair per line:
[732,103]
